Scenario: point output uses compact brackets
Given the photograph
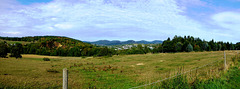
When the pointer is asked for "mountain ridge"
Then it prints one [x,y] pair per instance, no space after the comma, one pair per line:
[117,42]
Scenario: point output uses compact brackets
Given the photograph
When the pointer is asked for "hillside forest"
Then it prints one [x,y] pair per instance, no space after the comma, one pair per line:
[64,46]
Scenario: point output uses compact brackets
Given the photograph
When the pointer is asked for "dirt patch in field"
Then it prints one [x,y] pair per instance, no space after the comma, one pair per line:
[161,61]
[140,64]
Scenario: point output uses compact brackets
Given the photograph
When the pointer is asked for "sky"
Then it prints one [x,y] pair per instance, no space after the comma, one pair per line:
[92,20]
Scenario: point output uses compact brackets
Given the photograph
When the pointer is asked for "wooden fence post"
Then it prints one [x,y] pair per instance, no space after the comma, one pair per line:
[65,78]
[225,61]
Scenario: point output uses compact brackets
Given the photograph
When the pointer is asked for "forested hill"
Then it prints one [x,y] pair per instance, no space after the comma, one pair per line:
[64,46]
[57,46]
[36,38]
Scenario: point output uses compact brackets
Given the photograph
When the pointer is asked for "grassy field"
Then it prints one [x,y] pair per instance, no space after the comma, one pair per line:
[13,42]
[124,71]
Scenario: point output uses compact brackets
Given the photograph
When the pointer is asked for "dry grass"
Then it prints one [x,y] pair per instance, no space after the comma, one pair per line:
[122,71]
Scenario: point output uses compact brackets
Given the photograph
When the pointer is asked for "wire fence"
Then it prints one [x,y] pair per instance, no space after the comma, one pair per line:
[174,75]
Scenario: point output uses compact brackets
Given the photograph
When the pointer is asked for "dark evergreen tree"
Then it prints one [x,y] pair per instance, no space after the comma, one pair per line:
[189,48]
[238,46]
[3,49]
[16,50]
[178,47]
[205,46]
[168,46]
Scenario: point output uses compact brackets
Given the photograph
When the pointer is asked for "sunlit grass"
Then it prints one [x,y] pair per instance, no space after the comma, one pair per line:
[124,71]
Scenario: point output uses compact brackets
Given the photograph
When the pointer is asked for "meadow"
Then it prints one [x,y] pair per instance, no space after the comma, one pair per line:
[122,71]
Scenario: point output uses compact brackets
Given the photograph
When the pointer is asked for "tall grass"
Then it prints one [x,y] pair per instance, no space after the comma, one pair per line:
[228,80]
[124,71]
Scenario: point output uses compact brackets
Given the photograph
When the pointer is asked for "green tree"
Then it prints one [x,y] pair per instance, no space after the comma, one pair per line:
[3,49]
[104,52]
[178,46]
[219,47]
[238,46]
[189,48]
[205,46]
[16,50]
[168,46]
[197,48]
[74,52]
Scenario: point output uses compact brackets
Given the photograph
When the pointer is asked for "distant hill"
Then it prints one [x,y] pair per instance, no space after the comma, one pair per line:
[116,42]
[49,42]
[57,46]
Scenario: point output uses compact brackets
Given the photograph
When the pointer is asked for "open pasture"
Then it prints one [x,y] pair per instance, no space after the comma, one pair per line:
[123,71]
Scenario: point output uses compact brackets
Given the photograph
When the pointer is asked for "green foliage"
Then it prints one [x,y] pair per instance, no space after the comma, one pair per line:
[104,52]
[235,59]
[168,46]
[219,46]
[199,45]
[16,50]
[3,49]
[205,46]
[238,46]
[189,48]
[46,59]
[197,48]
[230,80]
[180,82]
[178,47]
[157,49]
[63,46]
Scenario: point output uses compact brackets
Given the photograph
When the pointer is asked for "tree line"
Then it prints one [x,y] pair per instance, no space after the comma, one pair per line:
[189,43]
[63,46]
[182,44]
[54,46]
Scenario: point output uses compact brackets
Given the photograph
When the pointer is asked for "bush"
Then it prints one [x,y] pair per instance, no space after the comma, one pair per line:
[46,59]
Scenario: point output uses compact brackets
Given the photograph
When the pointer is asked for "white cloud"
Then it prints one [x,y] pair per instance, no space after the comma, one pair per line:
[103,19]
[11,33]
[229,23]
[63,26]
[229,20]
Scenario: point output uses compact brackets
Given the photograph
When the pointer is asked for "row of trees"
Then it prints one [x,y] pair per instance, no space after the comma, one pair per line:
[15,50]
[29,38]
[75,51]
[182,44]
[189,43]
[62,46]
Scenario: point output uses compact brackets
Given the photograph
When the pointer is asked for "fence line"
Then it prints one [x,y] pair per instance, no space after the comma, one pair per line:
[174,75]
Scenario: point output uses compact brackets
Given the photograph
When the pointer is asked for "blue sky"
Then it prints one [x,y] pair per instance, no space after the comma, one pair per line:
[92,20]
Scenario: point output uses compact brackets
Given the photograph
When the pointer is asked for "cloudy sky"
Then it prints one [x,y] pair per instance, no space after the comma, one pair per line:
[92,20]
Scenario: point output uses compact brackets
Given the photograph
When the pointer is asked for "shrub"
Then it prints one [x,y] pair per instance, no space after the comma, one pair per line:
[46,59]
